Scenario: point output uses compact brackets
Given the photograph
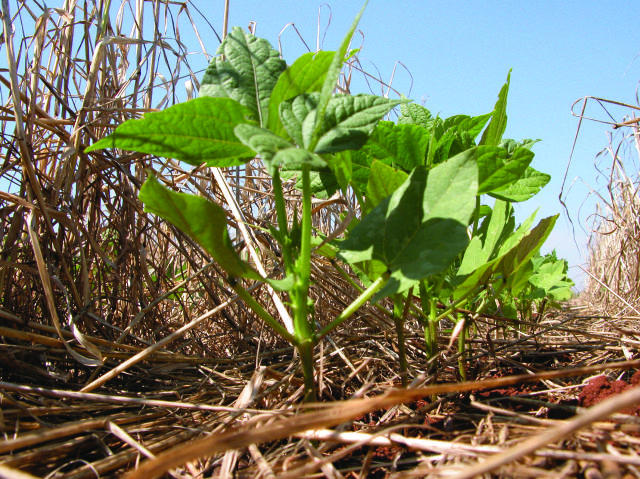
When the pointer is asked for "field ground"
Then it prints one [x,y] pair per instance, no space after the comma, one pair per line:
[531,410]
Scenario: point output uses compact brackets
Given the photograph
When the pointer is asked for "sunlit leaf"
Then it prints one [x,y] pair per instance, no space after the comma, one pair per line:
[246,69]
[196,132]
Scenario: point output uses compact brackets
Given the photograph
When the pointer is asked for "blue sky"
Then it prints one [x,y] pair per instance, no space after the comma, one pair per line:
[459,53]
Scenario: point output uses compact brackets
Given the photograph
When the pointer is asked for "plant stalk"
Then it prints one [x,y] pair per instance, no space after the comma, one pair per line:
[353,307]
[303,325]
[399,315]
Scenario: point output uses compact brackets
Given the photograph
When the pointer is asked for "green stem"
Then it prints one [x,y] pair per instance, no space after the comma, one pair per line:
[399,316]
[281,213]
[431,329]
[261,312]
[303,325]
[353,307]
[476,216]
[305,349]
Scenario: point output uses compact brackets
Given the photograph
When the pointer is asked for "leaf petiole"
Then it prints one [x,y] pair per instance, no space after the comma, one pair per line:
[353,307]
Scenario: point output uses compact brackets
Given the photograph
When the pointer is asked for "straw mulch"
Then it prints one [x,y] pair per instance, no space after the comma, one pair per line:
[124,352]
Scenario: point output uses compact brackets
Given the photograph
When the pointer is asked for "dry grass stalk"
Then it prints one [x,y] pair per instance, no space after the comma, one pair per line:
[613,282]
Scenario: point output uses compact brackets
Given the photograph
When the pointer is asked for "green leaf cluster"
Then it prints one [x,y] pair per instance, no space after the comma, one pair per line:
[419,183]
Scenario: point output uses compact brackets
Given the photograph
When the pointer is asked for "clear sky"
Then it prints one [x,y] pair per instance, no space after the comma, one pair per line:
[458,54]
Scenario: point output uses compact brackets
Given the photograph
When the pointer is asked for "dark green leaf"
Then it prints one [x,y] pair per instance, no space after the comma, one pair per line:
[306,75]
[531,182]
[495,130]
[202,220]
[497,170]
[396,145]
[420,228]
[414,114]
[246,71]
[349,120]
[196,132]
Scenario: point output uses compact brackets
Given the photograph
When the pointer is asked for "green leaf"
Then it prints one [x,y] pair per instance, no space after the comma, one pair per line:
[349,120]
[498,125]
[497,169]
[202,220]
[514,238]
[472,125]
[284,284]
[516,257]
[519,281]
[511,145]
[275,151]
[510,261]
[306,75]
[196,132]
[420,229]
[551,278]
[246,71]
[298,117]
[531,182]
[331,79]
[396,144]
[383,181]
[414,114]
[481,250]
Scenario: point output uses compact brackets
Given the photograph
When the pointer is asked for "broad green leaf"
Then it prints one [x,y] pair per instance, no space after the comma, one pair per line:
[531,182]
[275,151]
[414,114]
[511,145]
[404,145]
[481,250]
[331,80]
[196,132]
[497,169]
[551,278]
[202,220]
[306,75]
[514,238]
[298,117]
[548,275]
[452,136]
[472,125]
[498,125]
[527,247]
[420,229]
[349,120]
[246,70]
[510,261]
[519,281]
[284,284]
[383,181]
